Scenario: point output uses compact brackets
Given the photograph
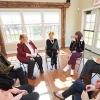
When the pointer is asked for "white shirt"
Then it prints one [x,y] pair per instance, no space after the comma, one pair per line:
[30,48]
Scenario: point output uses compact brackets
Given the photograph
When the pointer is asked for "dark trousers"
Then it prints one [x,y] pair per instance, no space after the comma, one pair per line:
[18,73]
[53,55]
[31,95]
[76,90]
[89,68]
[31,65]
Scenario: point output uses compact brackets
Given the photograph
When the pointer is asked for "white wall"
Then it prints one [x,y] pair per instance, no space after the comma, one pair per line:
[72,20]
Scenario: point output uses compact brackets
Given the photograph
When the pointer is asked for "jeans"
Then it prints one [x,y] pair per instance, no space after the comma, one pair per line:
[89,68]
[18,73]
[76,90]
[31,95]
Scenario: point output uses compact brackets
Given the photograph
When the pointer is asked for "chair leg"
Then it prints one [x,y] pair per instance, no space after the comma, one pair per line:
[47,63]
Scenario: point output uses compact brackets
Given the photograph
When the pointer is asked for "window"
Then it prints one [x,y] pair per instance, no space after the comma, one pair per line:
[92,30]
[89,27]
[36,24]
[11,24]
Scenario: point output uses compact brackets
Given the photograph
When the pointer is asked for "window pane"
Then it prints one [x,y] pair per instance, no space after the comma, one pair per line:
[86,34]
[34,32]
[32,17]
[91,35]
[86,40]
[87,26]
[92,26]
[90,42]
[93,17]
[88,18]
[52,28]
[10,18]
[98,44]
[11,26]
[51,17]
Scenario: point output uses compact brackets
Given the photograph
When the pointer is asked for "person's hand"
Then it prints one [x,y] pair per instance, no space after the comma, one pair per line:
[14,90]
[98,60]
[34,55]
[24,92]
[90,88]
[28,55]
[74,51]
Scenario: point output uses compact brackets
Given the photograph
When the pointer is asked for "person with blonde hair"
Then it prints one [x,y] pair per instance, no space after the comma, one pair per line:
[52,49]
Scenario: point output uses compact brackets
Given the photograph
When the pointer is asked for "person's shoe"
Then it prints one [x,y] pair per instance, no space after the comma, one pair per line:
[56,66]
[66,68]
[72,72]
[32,78]
[41,72]
[59,95]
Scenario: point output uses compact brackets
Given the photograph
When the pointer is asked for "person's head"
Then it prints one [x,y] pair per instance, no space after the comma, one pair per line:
[23,38]
[51,35]
[78,35]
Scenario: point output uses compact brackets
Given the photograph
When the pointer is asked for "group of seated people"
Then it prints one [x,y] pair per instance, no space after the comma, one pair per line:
[27,53]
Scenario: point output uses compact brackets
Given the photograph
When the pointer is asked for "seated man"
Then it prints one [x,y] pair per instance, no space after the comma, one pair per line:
[76,90]
[5,68]
[27,53]
[91,66]
[7,92]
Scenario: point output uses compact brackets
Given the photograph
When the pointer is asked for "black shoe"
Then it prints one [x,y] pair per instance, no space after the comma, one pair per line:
[32,78]
[41,71]
[55,66]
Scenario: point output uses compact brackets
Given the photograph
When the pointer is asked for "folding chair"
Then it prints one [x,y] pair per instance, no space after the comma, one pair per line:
[80,61]
[47,60]
[24,67]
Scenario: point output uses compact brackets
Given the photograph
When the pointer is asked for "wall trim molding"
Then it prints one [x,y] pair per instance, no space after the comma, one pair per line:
[21,4]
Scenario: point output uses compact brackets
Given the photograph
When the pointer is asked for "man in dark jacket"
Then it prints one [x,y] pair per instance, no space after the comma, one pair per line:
[6,68]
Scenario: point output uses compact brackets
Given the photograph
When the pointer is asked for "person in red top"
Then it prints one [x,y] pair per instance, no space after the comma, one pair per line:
[27,53]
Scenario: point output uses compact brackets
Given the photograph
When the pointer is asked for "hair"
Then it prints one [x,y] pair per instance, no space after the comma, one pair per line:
[51,33]
[21,36]
[79,34]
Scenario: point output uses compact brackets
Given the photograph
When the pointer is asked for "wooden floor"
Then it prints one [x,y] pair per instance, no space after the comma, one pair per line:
[46,84]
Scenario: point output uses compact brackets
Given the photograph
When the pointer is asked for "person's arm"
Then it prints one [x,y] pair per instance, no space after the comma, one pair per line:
[98,96]
[17,91]
[21,52]
[98,60]
[57,45]
[82,46]
[48,46]
[71,46]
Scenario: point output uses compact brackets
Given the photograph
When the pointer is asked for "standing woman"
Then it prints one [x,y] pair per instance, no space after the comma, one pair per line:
[52,49]
[76,48]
